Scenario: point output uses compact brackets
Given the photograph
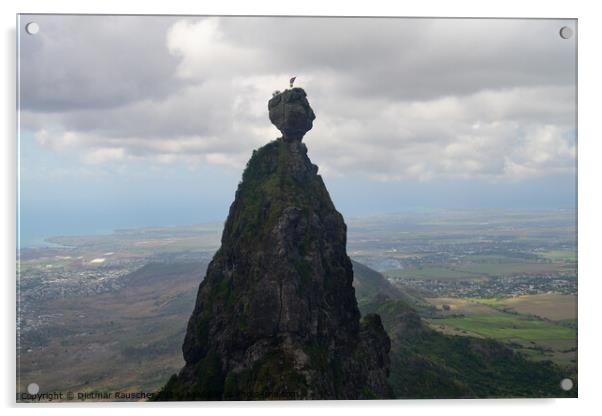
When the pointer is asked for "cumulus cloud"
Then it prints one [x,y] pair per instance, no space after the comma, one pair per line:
[394,98]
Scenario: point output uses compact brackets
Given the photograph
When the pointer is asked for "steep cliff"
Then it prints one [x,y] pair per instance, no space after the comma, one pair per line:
[276,316]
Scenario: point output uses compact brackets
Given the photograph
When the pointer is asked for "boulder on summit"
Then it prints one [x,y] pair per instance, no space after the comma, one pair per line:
[291,113]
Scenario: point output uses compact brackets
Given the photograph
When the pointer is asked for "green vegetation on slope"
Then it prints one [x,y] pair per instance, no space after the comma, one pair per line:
[428,364]
[267,188]
[369,284]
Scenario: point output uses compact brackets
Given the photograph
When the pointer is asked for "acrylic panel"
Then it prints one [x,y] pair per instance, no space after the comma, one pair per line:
[291,208]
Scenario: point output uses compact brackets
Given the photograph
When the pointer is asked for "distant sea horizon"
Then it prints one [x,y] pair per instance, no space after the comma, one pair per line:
[29,238]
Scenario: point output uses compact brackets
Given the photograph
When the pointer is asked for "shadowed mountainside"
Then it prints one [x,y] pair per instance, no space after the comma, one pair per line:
[276,316]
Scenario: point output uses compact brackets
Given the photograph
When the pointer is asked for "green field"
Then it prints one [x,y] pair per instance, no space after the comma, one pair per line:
[511,328]
[482,266]
[471,271]
[553,306]
[495,269]
[506,320]
[560,255]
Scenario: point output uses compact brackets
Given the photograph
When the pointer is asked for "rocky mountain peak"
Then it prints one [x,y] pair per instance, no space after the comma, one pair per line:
[276,316]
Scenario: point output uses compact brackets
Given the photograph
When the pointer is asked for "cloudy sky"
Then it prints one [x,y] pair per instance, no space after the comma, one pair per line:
[133,121]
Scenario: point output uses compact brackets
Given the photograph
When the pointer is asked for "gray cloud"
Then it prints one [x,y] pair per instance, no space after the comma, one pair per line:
[414,58]
[92,62]
[394,98]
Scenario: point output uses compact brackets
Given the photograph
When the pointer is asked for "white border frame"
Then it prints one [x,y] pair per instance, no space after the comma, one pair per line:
[589,204]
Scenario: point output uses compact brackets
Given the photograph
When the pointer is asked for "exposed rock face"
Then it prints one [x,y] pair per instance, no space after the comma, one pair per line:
[276,316]
[291,113]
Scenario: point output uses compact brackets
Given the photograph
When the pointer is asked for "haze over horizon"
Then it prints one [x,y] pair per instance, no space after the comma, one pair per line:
[143,129]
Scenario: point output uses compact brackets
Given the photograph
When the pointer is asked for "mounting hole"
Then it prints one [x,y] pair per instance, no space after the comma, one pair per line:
[33,388]
[566,32]
[566,384]
[32,28]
